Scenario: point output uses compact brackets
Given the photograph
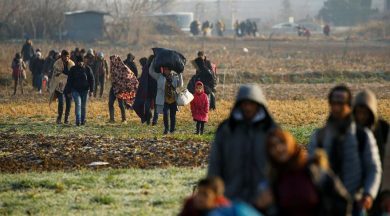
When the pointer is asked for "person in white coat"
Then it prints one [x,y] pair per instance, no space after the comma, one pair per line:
[167,82]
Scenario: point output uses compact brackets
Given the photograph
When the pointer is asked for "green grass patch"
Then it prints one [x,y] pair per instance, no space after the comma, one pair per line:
[115,192]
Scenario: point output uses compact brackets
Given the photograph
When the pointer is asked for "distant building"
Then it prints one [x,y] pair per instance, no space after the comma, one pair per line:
[84,25]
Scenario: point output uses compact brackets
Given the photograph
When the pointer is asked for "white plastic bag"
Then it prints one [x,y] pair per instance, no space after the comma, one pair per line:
[183,97]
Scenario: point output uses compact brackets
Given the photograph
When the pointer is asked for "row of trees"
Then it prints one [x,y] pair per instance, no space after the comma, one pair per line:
[346,12]
[27,18]
[44,18]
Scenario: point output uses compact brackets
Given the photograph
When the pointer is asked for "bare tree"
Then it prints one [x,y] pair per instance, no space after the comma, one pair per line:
[36,19]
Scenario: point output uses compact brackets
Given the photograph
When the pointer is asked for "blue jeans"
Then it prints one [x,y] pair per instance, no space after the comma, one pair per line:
[171,108]
[80,100]
[121,104]
[68,103]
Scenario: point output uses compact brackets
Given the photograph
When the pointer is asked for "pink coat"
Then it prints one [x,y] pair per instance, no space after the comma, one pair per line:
[200,106]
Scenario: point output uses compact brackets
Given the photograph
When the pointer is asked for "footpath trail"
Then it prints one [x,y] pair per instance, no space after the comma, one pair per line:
[20,153]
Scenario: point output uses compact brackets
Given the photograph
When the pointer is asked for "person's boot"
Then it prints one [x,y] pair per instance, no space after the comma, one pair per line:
[66,120]
[58,120]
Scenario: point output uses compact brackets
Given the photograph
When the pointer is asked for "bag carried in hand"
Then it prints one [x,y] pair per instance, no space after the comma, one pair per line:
[168,58]
[183,97]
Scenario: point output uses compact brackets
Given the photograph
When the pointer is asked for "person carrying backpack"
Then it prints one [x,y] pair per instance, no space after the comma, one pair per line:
[167,83]
[353,153]
[18,71]
[81,80]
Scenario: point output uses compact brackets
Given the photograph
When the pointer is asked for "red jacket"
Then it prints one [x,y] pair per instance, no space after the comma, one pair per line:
[200,105]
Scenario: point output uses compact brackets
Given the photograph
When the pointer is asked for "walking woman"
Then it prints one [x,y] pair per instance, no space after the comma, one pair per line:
[300,186]
[18,71]
[167,82]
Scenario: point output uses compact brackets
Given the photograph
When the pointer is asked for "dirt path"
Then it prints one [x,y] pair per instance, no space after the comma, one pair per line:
[39,153]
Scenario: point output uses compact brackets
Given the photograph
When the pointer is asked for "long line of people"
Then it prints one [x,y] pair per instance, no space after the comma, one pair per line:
[262,166]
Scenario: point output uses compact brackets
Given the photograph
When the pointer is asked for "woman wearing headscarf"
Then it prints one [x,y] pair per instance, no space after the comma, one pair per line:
[124,85]
[302,187]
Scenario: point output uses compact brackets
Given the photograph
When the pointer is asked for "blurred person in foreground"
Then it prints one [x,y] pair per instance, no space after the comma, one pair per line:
[302,187]
[352,150]
[365,111]
[238,153]
[207,197]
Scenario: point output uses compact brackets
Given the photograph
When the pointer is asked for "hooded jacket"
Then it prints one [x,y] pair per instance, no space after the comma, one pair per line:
[200,105]
[381,131]
[357,168]
[238,153]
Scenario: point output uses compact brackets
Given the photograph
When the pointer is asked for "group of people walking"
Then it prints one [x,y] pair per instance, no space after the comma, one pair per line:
[262,170]
[79,74]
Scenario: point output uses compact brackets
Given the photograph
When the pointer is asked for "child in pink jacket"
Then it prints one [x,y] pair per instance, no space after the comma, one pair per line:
[200,107]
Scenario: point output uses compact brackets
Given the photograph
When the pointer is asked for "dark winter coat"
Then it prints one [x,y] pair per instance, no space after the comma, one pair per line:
[203,74]
[37,66]
[132,66]
[27,52]
[81,78]
[238,153]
